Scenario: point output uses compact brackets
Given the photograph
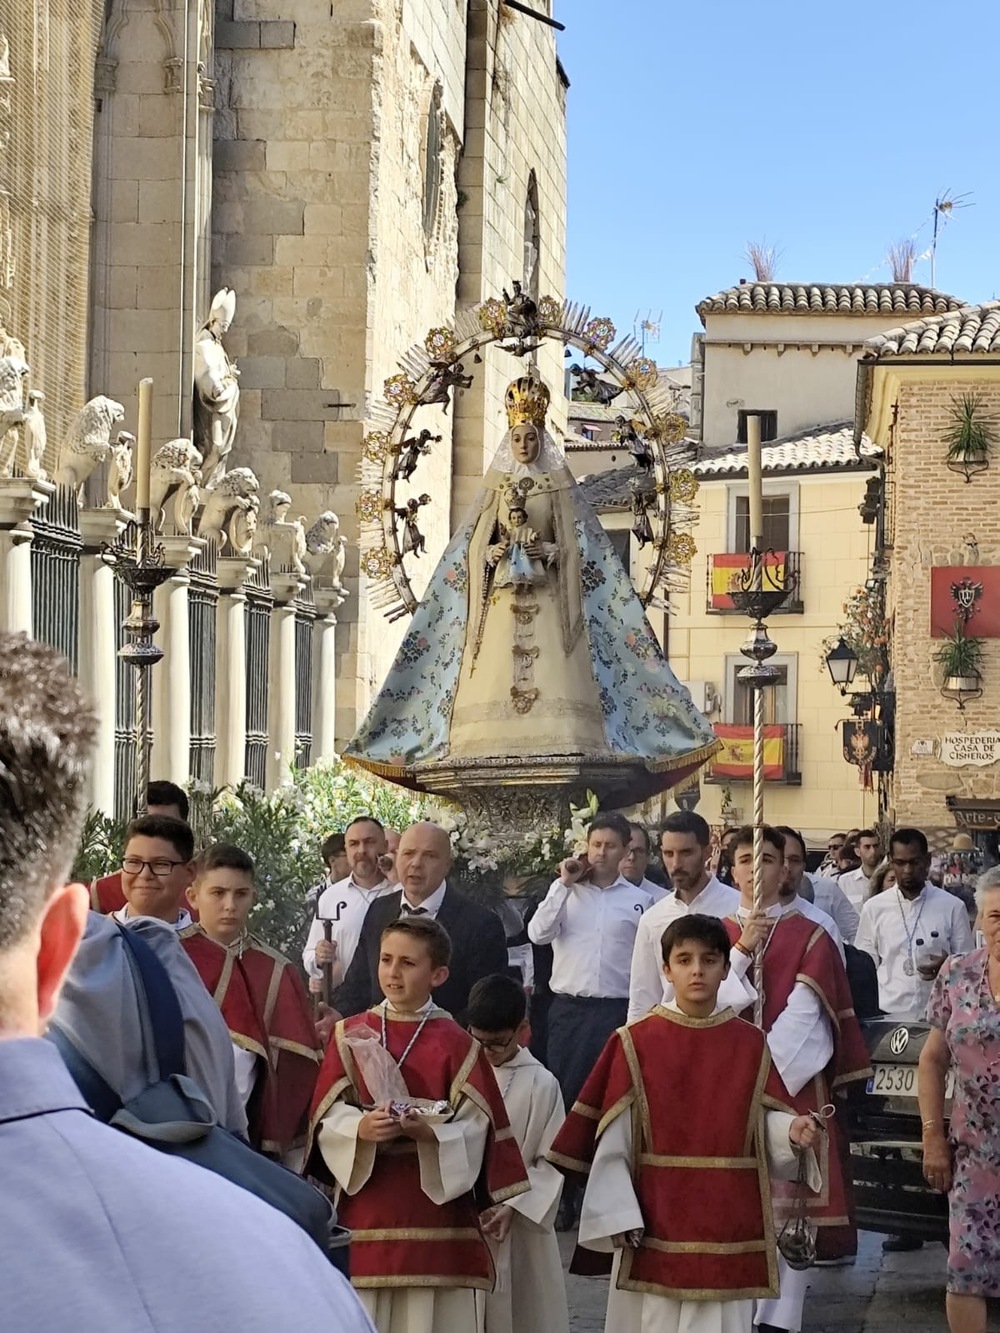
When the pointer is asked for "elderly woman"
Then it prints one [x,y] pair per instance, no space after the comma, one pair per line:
[964,1012]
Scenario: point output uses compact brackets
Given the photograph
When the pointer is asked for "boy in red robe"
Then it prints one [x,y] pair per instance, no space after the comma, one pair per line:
[675,1129]
[413,1178]
[162,798]
[262,999]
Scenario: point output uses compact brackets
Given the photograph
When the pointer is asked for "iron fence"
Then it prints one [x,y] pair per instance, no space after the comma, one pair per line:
[259,605]
[305,618]
[203,597]
[56,547]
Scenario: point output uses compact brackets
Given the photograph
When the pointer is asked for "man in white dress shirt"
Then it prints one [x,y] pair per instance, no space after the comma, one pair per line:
[857,883]
[909,930]
[814,896]
[590,916]
[157,870]
[346,903]
[684,849]
[636,862]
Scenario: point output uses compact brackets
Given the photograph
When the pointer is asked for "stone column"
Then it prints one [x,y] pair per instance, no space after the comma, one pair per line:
[324,713]
[231,672]
[171,678]
[98,639]
[281,681]
[19,498]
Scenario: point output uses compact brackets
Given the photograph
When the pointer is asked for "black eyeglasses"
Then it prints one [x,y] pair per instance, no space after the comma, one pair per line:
[161,867]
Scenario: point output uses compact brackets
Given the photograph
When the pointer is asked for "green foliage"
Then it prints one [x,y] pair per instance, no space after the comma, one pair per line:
[102,842]
[865,629]
[972,433]
[961,653]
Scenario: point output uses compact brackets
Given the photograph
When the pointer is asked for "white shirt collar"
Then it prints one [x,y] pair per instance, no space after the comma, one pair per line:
[183,921]
[674,1007]
[424,1008]
[431,905]
[776,909]
[351,883]
[620,883]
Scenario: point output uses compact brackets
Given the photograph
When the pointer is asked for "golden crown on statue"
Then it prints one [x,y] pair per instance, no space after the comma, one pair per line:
[527,400]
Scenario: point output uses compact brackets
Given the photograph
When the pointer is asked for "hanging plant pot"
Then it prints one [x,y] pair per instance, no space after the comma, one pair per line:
[962,689]
[970,437]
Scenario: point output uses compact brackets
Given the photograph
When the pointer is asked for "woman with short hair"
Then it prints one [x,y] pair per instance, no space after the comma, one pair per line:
[964,1012]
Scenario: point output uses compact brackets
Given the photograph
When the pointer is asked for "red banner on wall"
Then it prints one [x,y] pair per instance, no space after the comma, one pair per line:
[985,621]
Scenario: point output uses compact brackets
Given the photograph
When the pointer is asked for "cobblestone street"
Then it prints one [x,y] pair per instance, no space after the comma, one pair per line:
[879,1293]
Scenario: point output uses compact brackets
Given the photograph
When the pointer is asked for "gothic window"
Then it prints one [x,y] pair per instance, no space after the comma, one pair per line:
[532,239]
[432,163]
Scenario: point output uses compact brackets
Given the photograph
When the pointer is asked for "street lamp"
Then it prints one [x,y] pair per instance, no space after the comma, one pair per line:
[842,663]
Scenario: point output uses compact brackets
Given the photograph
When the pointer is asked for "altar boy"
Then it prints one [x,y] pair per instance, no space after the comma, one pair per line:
[530,1292]
[686,1207]
[411,1185]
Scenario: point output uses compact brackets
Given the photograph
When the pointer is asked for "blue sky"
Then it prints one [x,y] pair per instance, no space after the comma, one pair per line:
[828,129]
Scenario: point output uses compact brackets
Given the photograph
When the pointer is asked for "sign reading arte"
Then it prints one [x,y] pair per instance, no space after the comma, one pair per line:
[977,749]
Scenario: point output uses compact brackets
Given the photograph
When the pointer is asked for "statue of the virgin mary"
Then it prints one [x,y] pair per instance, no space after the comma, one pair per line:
[530,658]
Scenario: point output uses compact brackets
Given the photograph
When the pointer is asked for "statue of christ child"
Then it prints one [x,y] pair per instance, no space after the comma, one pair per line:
[520,558]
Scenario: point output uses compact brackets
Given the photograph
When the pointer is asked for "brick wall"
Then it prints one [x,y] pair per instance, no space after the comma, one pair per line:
[932,512]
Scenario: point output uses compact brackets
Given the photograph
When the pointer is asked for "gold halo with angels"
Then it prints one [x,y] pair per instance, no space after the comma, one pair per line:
[406,426]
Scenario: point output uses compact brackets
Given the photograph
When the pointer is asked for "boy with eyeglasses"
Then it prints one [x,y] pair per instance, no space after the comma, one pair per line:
[157,870]
[262,999]
[530,1291]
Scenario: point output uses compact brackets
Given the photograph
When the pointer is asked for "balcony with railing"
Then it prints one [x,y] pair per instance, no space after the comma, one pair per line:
[729,573]
[734,762]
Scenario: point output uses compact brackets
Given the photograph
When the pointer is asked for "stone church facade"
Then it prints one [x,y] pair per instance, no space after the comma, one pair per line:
[356,173]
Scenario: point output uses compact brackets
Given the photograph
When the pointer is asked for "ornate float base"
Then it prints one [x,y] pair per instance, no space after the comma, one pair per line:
[525,795]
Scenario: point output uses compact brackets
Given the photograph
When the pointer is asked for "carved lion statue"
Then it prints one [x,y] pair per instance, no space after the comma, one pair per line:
[13,373]
[88,441]
[326,548]
[175,474]
[235,496]
[120,472]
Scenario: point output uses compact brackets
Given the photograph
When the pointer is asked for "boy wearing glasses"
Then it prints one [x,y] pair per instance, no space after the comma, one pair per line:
[262,999]
[157,869]
[530,1291]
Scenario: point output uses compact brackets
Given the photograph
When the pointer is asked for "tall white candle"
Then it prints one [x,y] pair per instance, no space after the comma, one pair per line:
[144,451]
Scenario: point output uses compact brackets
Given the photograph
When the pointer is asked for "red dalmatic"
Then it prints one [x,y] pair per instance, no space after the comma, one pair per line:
[696,1089]
[399,1237]
[106,895]
[801,951]
[266,1009]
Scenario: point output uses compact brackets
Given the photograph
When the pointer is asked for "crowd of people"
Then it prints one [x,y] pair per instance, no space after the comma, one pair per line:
[466,1081]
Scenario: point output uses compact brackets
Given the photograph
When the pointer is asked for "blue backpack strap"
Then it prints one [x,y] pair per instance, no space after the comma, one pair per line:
[99,1095]
[165,1018]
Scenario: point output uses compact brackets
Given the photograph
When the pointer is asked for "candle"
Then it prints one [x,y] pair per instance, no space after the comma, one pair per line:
[143,462]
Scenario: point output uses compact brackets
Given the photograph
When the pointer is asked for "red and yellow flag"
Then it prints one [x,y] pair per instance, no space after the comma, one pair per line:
[735,759]
[728,568]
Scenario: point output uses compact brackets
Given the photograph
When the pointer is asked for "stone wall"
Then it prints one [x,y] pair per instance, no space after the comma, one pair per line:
[322,225]
[932,511]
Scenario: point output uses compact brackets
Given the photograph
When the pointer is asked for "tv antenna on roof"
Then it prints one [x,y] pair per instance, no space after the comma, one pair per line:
[646,330]
[944,206]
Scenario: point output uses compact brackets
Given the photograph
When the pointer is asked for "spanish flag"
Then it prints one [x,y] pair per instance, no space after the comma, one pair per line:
[727,572]
[735,759]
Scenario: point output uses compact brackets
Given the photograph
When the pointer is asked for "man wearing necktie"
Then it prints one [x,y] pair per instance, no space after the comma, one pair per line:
[479,946]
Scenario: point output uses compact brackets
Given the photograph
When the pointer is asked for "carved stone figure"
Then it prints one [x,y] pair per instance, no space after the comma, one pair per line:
[411,451]
[175,475]
[88,441]
[590,388]
[216,389]
[35,439]
[284,539]
[441,383]
[243,528]
[120,470]
[13,373]
[326,549]
[238,492]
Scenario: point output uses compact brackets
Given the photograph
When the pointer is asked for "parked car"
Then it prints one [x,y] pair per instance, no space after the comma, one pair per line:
[891,1194]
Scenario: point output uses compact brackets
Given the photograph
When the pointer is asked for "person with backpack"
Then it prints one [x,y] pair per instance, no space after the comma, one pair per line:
[97,1226]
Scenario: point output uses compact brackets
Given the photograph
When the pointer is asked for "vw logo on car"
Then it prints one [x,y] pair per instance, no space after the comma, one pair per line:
[899,1041]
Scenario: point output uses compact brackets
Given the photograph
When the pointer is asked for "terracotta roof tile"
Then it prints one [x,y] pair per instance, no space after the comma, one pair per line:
[971,329]
[800,298]
[816,449]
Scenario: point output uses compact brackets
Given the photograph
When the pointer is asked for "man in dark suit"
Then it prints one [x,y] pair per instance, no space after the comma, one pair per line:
[478,943]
